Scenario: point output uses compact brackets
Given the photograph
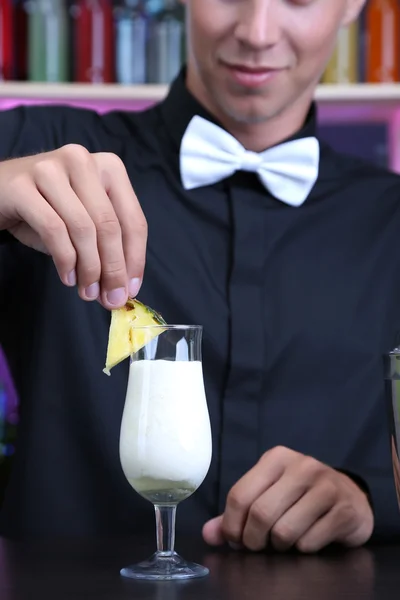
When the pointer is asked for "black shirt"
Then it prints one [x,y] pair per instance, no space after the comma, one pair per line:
[298,305]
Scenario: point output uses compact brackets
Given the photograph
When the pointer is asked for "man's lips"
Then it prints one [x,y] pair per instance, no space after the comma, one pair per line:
[252,76]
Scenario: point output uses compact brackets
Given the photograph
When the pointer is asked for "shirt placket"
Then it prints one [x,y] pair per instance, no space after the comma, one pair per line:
[239,442]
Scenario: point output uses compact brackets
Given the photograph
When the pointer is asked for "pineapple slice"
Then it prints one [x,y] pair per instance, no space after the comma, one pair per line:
[123,339]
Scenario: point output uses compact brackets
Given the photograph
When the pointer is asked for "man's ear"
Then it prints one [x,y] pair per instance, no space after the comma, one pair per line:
[353,10]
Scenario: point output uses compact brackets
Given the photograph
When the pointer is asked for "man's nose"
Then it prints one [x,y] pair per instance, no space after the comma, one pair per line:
[258,25]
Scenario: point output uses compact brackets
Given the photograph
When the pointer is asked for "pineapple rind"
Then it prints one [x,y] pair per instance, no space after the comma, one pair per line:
[123,340]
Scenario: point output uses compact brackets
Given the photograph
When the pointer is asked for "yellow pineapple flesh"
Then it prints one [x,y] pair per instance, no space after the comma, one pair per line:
[123,338]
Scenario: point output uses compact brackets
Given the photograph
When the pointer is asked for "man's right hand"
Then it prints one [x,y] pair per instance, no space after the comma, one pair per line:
[79,208]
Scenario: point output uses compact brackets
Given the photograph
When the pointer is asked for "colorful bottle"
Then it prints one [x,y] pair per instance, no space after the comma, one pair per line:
[383,41]
[131,29]
[20,48]
[94,41]
[343,66]
[47,41]
[6,40]
[166,39]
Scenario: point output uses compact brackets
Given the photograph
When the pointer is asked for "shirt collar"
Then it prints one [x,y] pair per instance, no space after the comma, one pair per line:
[180,106]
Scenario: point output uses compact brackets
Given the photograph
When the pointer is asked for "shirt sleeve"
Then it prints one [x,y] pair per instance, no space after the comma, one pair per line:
[24,131]
[11,127]
[29,130]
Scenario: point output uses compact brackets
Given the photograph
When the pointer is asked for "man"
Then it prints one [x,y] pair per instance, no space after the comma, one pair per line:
[289,259]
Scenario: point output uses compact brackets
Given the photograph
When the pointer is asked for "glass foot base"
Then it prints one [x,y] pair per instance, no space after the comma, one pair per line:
[163,566]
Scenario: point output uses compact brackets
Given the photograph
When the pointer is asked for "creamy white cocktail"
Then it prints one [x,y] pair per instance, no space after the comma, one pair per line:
[165,439]
[165,442]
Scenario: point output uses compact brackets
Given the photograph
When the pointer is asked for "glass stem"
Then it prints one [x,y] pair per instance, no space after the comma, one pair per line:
[165,527]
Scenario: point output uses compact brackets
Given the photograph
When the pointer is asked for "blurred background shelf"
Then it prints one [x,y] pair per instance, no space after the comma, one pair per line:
[362,93]
[361,119]
[82,91]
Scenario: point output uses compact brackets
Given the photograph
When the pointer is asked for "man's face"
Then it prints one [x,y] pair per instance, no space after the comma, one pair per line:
[250,60]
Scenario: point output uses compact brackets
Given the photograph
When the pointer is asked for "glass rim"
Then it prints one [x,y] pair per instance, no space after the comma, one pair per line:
[172,327]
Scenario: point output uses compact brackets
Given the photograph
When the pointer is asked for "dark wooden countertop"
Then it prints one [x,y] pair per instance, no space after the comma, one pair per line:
[89,570]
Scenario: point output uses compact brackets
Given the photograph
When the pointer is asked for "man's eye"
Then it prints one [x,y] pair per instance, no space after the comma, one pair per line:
[301,2]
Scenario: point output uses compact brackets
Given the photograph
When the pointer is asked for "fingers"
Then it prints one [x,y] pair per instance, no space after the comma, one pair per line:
[51,229]
[87,217]
[249,488]
[330,528]
[107,228]
[291,506]
[286,499]
[81,209]
[291,499]
[112,277]
[78,223]
[130,216]
[348,522]
[267,511]
[302,515]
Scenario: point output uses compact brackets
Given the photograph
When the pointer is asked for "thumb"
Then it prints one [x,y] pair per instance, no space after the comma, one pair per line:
[212,532]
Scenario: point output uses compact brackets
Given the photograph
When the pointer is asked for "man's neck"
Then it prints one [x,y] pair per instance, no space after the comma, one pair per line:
[258,136]
[261,136]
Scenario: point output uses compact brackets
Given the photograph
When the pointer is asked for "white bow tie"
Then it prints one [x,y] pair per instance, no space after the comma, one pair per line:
[209,154]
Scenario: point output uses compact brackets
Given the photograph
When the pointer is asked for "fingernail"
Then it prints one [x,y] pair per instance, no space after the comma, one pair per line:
[116,297]
[134,287]
[92,292]
[71,278]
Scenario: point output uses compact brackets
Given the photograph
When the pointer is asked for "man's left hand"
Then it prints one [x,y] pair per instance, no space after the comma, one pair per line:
[288,499]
